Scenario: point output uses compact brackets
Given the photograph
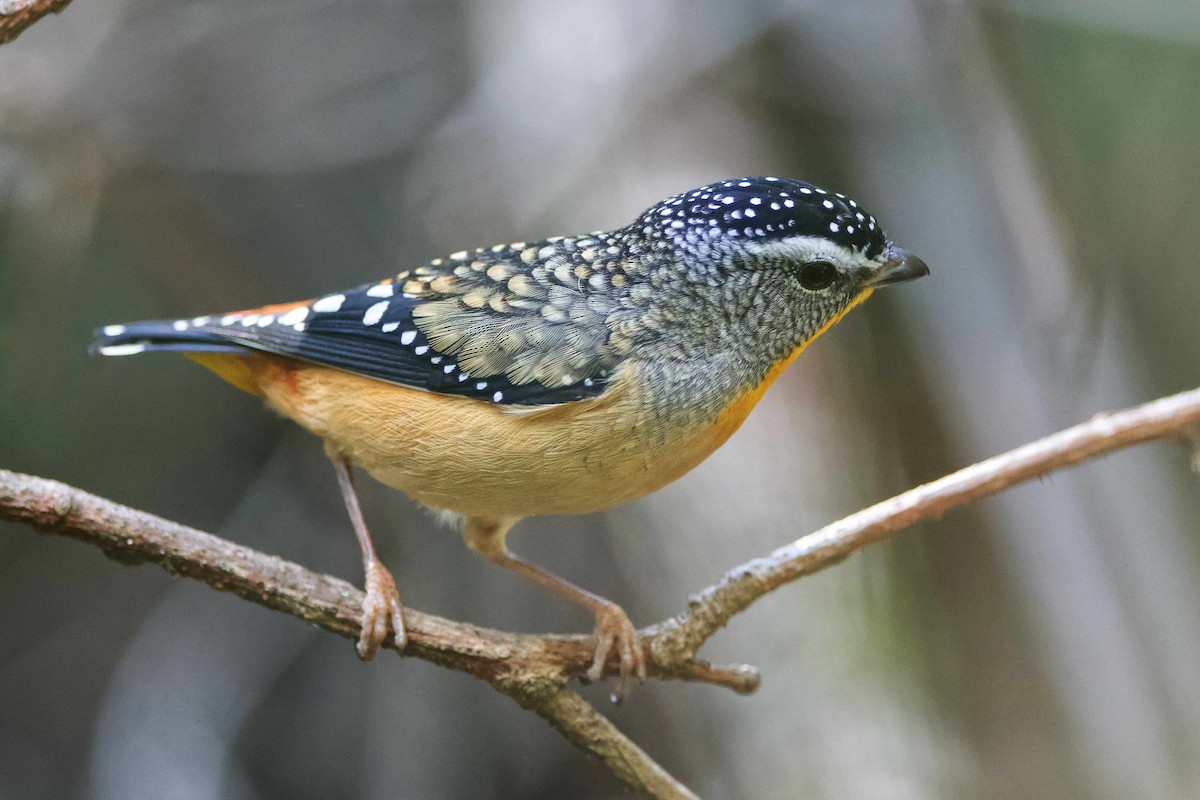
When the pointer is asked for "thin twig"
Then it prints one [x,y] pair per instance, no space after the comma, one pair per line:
[17,15]
[1167,418]
[535,670]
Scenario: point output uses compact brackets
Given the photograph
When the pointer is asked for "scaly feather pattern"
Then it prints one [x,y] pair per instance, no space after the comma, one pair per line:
[514,324]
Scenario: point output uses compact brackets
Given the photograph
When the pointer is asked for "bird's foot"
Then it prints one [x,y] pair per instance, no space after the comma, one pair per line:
[614,631]
[381,611]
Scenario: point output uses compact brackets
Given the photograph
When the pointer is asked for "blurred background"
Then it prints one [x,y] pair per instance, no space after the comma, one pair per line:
[171,158]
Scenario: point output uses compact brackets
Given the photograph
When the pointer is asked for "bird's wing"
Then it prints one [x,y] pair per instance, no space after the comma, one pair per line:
[517,324]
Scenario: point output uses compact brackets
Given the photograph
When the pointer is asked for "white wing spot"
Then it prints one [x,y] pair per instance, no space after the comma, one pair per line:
[827,203]
[833,226]
[295,316]
[113,330]
[381,290]
[265,320]
[375,313]
[422,350]
[497,397]
[448,369]
[407,337]
[180,325]
[328,304]
[388,327]
[481,386]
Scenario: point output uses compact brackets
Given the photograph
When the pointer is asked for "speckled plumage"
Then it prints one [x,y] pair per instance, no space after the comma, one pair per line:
[557,376]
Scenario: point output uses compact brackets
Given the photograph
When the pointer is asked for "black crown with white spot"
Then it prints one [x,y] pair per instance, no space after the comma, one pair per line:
[763,209]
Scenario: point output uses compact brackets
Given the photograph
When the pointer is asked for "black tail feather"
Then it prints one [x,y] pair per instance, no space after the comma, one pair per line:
[156,335]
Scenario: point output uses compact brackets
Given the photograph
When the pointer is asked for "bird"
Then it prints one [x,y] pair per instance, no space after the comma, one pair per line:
[560,376]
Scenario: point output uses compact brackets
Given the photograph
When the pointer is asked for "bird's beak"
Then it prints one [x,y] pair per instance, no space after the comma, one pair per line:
[902,266]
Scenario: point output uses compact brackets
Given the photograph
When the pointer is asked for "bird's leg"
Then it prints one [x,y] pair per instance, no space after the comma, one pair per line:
[613,630]
[381,606]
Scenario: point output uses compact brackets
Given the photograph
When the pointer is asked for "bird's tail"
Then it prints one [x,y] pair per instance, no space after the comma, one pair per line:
[153,335]
[224,356]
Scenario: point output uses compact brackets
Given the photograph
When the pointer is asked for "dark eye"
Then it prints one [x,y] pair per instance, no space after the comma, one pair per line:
[817,275]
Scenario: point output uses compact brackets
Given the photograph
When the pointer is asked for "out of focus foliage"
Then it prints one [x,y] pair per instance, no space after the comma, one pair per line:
[174,158]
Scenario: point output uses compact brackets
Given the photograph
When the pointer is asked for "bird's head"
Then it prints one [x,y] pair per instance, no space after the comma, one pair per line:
[784,259]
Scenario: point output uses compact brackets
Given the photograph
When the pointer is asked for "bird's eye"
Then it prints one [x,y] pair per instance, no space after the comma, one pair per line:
[817,275]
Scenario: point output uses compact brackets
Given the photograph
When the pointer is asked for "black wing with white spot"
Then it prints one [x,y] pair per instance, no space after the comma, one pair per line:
[495,325]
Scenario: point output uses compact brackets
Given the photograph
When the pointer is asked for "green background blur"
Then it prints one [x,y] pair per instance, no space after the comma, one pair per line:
[173,158]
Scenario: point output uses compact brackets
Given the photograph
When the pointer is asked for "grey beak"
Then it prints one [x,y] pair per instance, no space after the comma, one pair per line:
[902,266]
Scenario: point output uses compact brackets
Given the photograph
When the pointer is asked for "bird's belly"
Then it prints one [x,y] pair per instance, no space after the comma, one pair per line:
[475,458]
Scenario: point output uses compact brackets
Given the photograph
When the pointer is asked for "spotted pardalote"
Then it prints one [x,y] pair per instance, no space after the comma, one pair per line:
[564,375]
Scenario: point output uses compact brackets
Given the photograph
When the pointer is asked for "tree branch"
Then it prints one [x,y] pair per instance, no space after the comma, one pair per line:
[1169,417]
[17,15]
[535,670]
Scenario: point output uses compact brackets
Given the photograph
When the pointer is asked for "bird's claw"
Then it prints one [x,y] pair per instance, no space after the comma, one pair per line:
[381,611]
[614,631]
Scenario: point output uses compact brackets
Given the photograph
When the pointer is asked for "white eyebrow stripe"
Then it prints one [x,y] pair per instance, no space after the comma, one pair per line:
[809,248]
